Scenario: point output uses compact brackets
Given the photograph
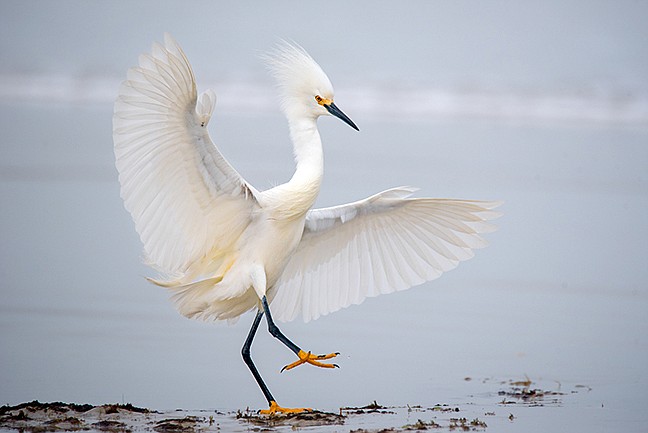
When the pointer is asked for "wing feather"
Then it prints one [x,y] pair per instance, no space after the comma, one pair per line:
[385,243]
[186,200]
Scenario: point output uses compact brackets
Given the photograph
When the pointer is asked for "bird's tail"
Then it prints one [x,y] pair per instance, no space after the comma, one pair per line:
[200,300]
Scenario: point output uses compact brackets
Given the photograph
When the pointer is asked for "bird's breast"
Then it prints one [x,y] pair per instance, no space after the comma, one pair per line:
[271,242]
[290,201]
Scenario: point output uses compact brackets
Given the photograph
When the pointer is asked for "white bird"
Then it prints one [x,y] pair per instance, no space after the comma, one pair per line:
[225,248]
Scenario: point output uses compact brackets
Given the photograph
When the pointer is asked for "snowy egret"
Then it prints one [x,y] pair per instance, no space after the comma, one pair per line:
[225,248]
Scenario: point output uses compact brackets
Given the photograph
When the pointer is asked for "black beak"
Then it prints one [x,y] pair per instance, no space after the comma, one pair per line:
[335,111]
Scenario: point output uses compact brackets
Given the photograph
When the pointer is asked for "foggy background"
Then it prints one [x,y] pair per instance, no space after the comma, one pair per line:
[541,105]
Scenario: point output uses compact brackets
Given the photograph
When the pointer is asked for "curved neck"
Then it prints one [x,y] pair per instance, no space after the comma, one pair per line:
[309,156]
[294,198]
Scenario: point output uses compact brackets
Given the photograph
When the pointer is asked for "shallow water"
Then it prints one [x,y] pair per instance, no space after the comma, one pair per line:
[520,406]
[560,296]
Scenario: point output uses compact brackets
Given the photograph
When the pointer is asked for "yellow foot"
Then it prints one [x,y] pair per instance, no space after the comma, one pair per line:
[309,358]
[275,408]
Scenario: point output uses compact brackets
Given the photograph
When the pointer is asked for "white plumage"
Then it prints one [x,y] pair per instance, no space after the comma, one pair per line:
[221,245]
[385,243]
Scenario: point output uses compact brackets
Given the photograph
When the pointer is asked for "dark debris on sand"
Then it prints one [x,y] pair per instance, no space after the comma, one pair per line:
[456,424]
[111,426]
[37,417]
[370,408]
[521,392]
[296,420]
[56,406]
[178,425]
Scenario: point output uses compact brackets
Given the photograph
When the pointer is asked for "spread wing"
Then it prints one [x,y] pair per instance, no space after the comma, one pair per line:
[385,243]
[187,201]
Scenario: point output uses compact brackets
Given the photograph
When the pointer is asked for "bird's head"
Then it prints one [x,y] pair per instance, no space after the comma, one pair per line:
[305,89]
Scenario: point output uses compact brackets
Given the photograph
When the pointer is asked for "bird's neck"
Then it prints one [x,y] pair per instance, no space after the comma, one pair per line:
[309,157]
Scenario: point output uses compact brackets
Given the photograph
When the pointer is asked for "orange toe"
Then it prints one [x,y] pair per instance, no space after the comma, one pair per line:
[309,358]
[275,408]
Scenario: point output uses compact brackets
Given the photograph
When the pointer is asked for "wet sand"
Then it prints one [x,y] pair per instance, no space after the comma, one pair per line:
[496,405]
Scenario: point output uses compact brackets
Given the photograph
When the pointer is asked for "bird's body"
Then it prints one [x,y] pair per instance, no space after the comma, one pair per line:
[225,248]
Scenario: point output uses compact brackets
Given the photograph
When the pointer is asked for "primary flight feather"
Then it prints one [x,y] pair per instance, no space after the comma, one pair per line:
[224,248]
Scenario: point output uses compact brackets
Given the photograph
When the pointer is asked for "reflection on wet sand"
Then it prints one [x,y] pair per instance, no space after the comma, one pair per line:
[476,413]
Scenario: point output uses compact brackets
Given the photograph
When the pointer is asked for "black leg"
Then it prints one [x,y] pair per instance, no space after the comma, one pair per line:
[275,331]
[248,359]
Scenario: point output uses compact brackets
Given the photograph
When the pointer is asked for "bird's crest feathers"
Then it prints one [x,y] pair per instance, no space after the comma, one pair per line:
[298,76]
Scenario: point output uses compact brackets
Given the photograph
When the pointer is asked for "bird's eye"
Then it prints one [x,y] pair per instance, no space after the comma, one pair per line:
[323,101]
